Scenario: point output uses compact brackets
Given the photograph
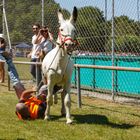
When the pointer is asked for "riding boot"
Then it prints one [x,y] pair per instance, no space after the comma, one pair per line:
[19,88]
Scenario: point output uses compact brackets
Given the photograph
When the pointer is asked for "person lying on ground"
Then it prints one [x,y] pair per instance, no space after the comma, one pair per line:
[31,106]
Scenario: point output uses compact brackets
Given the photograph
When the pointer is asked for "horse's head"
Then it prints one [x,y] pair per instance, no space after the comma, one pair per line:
[66,37]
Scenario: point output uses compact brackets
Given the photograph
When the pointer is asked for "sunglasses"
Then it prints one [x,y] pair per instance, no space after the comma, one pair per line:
[44,31]
[35,28]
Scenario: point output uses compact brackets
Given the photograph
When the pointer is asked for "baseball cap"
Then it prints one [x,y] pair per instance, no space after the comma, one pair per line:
[2,36]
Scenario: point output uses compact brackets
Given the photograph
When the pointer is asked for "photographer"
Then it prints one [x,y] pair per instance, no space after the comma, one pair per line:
[46,45]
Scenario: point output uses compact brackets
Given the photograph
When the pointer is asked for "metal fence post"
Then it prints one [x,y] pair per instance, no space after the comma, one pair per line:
[78,88]
[113,45]
[94,77]
[37,73]
[8,83]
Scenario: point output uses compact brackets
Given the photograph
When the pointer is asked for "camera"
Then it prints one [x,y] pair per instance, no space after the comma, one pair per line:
[41,31]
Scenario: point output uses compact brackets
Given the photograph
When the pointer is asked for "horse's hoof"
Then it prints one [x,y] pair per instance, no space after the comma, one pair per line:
[69,121]
[47,118]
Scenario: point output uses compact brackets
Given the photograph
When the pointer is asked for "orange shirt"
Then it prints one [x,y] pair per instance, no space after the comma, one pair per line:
[33,106]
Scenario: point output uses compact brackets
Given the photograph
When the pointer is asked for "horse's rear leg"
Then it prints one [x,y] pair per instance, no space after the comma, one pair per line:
[67,107]
[49,103]
[63,111]
[55,98]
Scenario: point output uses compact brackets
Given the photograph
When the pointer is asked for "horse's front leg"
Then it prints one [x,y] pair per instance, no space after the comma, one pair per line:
[67,102]
[49,102]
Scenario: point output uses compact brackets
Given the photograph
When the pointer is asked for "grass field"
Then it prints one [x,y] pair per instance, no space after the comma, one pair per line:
[96,120]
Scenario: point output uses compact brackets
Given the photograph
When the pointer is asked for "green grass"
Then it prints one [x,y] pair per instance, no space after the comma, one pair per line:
[21,59]
[96,120]
[23,69]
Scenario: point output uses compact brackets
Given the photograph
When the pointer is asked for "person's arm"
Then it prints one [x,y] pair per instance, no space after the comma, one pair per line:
[27,94]
[50,35]
[38,39]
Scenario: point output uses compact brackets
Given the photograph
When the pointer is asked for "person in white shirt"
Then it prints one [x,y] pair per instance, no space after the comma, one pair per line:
[34,54]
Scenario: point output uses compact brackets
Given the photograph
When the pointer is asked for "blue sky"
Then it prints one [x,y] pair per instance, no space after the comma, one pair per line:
[122,7]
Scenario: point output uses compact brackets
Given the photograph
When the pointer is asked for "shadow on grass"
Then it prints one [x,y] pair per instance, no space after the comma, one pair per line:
[99,119]
[103,108]
[55,117]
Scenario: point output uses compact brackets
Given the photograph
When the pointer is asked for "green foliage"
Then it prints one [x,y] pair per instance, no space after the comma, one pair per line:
[90,27]
[130,44]
[17,36]
[125,44]
[22,14]
[94,32]
[126,33]
[123,26]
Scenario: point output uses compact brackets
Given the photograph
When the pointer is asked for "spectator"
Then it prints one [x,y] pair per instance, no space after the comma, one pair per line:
[31,106]
[35,51]
[47,44]
[6,56]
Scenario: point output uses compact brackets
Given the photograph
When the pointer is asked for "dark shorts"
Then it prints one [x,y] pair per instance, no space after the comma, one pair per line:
[41,110]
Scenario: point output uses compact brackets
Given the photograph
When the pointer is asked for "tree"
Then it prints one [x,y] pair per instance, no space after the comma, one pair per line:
[91,29]
[22,14]
[126,35]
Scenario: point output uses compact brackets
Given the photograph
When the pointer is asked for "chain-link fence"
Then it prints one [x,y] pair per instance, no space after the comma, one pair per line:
[108,32]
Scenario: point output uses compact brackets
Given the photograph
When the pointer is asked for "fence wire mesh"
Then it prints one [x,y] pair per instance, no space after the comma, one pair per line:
[108,32]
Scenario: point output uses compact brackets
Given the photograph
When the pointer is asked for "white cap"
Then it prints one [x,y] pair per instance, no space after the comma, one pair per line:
[2,36]
[44,88]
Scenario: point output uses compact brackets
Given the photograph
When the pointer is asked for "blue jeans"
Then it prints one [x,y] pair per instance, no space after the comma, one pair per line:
[33,71]
[14,77]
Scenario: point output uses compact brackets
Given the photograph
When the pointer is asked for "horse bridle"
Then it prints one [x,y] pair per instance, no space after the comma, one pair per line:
[64,38]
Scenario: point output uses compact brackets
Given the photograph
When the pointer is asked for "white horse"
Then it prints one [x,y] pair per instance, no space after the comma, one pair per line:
[57,67]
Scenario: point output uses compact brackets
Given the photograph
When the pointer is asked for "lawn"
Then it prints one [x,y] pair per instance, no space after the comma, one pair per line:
[96,120]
